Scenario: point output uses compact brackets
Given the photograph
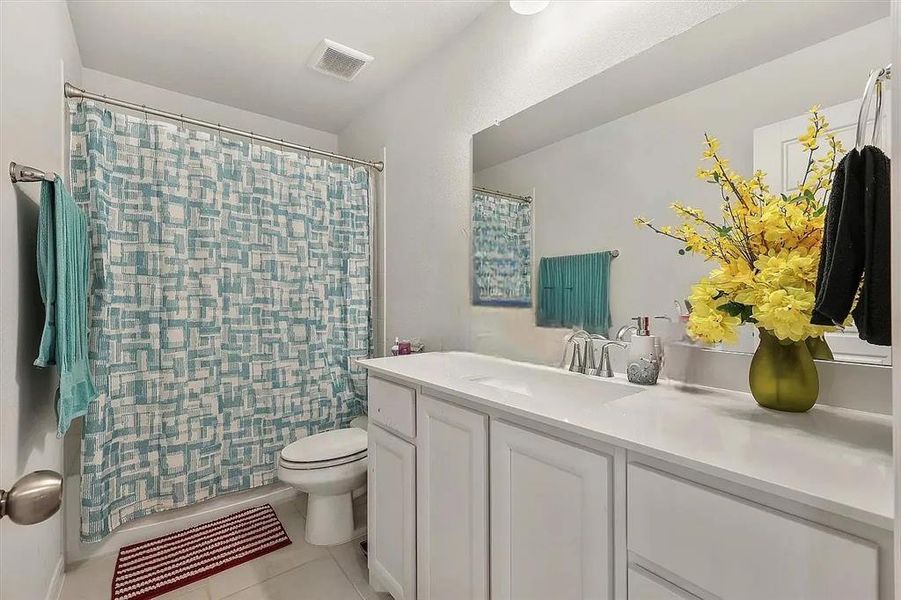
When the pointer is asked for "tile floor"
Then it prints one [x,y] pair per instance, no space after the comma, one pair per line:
[297,572]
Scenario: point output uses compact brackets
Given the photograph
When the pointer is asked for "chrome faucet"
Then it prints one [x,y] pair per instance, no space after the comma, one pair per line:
[582,361]
[575,363]
[605,369]
[621,333]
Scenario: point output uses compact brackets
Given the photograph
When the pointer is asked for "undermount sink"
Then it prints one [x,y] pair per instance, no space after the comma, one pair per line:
[501,383]
[534,381]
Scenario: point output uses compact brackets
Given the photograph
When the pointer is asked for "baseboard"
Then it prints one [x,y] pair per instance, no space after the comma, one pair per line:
[56,582]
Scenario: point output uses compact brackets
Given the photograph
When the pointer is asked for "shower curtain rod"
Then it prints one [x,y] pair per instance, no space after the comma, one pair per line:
[70,91]
[526,199]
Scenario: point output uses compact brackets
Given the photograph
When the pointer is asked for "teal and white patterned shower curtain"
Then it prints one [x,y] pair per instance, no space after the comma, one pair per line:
[230,297]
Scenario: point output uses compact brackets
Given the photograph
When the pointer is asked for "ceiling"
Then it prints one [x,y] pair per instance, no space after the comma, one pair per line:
[751,34]
[253,55]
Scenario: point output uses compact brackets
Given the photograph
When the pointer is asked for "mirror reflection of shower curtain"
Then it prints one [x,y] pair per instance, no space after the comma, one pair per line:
[501,250]
[230,297]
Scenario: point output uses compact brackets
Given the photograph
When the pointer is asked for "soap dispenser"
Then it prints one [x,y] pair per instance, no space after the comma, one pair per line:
[644,357]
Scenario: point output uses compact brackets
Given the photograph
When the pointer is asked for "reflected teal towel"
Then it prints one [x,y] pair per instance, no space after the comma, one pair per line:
[573,291]
[62,255]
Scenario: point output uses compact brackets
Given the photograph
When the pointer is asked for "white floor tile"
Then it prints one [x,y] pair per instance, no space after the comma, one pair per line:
[89,580]
[198,591]
[321,579]
[352,561]
[268,566]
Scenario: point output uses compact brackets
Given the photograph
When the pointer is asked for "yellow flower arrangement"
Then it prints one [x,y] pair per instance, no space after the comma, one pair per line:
[767,245]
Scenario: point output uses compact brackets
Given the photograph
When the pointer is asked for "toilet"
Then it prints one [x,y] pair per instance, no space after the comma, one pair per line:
[328,466]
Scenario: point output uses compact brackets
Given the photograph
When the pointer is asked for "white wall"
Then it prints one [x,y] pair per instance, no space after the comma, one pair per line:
[500,65]
[141,93]
[37,50]
[588,188]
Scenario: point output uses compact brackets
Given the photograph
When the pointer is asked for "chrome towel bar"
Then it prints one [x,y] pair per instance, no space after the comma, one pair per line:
[24,173]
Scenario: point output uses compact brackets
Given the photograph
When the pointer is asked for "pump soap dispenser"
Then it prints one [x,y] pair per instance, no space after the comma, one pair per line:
[644,358]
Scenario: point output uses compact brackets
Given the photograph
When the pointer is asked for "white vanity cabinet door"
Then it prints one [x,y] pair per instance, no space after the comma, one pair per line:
[451,502]
[551,530]
[392,514]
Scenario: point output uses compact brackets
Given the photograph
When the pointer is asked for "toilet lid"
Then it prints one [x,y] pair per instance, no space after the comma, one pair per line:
[326,446]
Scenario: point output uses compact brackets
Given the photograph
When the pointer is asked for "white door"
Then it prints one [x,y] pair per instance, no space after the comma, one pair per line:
[778,153]
[551,527]
[392,514]
[451,501]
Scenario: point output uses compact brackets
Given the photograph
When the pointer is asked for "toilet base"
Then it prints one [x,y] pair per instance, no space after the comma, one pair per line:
[330,519]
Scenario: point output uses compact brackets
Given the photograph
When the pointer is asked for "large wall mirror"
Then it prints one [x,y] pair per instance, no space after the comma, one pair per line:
[558,187]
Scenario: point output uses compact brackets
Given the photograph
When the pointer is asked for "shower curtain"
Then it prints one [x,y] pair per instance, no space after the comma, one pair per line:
[230,298]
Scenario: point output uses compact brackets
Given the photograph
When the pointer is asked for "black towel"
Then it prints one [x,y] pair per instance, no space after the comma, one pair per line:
[856,246]
[842,250]
[873,313]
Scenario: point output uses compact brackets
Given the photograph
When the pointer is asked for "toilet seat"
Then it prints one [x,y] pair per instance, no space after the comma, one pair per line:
[324,450]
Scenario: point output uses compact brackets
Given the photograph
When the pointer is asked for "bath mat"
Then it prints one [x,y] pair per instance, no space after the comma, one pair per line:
[149,569]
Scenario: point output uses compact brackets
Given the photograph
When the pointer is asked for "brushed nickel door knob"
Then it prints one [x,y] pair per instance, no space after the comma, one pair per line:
[34,498]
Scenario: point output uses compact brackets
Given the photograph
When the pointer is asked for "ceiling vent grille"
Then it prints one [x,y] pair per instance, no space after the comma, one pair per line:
[338,61]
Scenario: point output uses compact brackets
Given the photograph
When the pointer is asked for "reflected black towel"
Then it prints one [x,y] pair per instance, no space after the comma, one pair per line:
[873,313]
[856,245]
[841,261]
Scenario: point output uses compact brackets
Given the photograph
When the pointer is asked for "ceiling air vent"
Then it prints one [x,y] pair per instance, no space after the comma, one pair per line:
[338,61]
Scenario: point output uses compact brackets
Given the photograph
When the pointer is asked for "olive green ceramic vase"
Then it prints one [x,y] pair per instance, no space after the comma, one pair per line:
[783,375]
[819,349]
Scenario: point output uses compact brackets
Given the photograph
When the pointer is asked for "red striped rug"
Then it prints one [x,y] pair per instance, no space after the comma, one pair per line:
[149,569]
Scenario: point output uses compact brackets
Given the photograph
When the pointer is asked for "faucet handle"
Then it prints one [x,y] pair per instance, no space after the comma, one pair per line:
[605,369]
[575,363]
[588,364]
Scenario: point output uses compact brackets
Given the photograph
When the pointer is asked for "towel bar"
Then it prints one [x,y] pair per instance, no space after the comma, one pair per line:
[23,173]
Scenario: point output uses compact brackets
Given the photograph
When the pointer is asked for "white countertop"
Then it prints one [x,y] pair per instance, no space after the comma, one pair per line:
[836,459]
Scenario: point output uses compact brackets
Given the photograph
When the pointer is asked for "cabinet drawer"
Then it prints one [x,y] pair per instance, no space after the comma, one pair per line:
[735,549]
[393,406]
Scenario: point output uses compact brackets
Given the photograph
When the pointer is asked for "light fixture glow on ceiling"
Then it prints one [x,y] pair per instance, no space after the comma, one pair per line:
[528,7]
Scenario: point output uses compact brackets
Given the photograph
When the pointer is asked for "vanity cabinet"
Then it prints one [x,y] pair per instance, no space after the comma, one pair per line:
[551,526]
[467,501]
[451,501]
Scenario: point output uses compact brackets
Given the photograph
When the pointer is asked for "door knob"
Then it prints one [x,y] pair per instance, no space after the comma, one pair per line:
[34,498]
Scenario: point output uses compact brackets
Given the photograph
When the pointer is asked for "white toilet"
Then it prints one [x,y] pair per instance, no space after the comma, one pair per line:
[328,466]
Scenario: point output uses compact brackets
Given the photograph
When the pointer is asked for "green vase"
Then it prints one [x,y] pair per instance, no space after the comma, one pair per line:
[783,375]
[819,348]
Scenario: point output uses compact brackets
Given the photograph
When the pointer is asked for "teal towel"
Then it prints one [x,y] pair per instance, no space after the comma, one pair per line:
[574,292]
[63,253]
